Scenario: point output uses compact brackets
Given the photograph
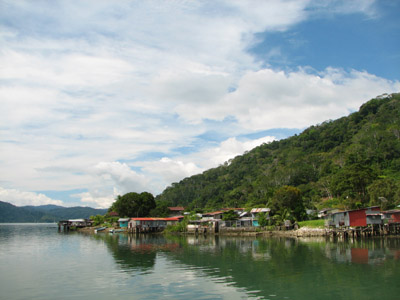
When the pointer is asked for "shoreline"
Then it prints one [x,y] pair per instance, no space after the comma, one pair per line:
[301,232]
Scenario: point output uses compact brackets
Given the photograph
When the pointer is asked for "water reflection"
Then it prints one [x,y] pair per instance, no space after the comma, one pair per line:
[136,254]
[363,251]
[268,268]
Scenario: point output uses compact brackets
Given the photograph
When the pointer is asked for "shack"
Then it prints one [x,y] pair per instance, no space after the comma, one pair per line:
[374,218]
[215,215]
[74,223]
[176,211]
[352,218]
[151,224]
[391,216]
[123,222]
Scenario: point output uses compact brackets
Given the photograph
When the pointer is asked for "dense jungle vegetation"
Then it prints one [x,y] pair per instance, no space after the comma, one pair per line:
[347,163]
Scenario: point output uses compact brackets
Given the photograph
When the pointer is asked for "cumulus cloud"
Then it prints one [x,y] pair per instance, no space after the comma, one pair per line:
[97,198]
[227,150]
[268,98]
[121,176]
[171,170]
[21,198]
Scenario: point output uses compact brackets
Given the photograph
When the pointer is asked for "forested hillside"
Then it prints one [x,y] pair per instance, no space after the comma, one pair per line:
[350,162]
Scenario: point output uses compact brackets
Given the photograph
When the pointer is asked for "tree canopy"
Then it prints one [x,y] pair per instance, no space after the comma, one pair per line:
[134,204]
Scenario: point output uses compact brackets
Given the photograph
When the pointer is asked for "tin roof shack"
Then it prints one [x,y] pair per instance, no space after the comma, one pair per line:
[352,218]
[326,212]
[146,224]
[176,211]
[123,222]
[203,226]
[256,211]
[173,220]
[151,224]
[374,218]
[215,215]
[391,216]
[80,222]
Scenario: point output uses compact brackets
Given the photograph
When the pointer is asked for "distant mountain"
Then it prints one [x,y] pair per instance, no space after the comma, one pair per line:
[45,213]
[13,214]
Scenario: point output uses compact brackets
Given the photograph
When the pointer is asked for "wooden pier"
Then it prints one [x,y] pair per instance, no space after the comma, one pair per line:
[366,231]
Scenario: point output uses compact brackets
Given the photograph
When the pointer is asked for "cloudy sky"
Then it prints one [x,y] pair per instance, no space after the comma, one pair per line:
[100,98]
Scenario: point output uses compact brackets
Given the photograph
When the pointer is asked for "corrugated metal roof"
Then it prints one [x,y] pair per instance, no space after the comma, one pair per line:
[157,219]
[176,208]
[258,210]
[213,213]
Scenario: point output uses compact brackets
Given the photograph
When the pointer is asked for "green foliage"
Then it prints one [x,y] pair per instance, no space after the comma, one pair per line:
[134,205]
[230,215]
[384,192]
[334,164]
[97,220]
[161,210]
[262,219]
[288,203]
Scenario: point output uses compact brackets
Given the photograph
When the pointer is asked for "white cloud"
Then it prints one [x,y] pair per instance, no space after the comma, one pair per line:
[170,170]
[96,198]
[20,198]
[227,150]
[121,176]
[274,99]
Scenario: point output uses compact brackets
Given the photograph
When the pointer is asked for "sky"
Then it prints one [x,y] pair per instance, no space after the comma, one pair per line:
[99,98]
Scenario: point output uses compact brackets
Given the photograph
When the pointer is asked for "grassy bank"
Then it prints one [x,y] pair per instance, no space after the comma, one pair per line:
[313,223]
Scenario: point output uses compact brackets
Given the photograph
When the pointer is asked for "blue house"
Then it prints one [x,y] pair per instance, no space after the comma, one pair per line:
[123,222]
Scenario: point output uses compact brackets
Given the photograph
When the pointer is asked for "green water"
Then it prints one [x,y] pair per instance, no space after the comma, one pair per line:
[37,262]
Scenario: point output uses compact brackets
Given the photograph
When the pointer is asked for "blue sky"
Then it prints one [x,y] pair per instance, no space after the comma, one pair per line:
[100,98]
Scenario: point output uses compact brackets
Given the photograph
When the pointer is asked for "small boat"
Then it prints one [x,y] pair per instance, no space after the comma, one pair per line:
[116,230]
[99,229]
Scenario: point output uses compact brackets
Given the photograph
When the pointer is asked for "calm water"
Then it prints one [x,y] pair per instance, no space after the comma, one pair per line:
[37,262]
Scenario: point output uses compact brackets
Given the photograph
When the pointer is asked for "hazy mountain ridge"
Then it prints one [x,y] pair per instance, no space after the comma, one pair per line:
[45,213]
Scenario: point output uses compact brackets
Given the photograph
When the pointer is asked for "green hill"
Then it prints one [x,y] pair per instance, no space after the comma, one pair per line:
[45,213]
[13,214]
[350,162]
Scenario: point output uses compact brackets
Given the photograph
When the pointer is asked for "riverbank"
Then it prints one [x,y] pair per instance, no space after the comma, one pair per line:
[301,232]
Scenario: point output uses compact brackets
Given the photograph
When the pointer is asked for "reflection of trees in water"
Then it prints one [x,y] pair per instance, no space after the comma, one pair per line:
[136,253]
[281,266]
[286,267]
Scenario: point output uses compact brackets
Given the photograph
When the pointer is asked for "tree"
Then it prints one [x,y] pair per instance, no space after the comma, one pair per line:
[382,192]
[134,204]
[262,219]
[161,209]
[288,197]
[230,215]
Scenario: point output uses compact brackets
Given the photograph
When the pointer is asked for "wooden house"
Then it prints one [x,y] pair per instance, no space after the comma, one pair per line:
[176,211]
[123,222]
[80,222]
[215,215]
[374,218]
[256,211]
[352,218]
[391,216]
[151,224]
